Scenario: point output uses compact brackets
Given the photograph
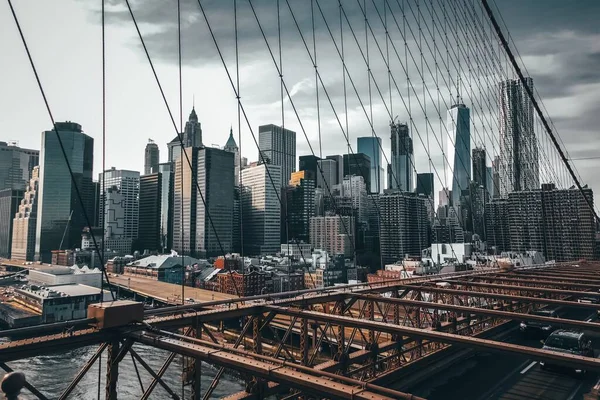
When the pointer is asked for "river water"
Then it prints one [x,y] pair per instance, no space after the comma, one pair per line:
[51,374]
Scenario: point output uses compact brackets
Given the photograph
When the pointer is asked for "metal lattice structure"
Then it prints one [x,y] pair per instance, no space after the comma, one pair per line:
[351,342]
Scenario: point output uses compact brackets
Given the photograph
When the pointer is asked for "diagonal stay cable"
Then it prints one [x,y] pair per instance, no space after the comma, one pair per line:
[180,138]
[60,142]
[299,120]
[242,109]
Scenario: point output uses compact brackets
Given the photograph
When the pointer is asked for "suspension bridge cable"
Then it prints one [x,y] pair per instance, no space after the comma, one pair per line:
[510,39]
[103,171]
[103,141]
[522,121]
[296,112]
[183,268]
[239,127]
[61,145]
[535,89]
[181,148]
[179,136]
[351,81]
[396,84]
[233,86]
[358,95]
[314,36]
[452,142]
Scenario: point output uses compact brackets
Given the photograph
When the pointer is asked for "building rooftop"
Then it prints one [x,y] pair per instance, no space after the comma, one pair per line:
[164,261]
[59,270]
[55,291]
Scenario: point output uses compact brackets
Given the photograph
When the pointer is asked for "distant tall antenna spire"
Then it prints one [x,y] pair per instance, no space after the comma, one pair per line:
[458,90]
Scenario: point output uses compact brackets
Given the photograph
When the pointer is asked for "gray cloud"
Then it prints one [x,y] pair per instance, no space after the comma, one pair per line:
[560,50]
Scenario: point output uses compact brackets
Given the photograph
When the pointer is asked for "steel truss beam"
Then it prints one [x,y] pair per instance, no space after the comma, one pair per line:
[558,275]
[86,367]
[154,375]
[560,292]
[523,299]
[443,337]
[25,348]
[534,281]
[157,378]
[112,370]
[306,379]
[238,341]
[509,315]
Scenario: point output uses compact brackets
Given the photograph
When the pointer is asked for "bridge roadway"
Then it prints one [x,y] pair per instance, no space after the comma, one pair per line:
[487,376]
[412,335]
[168,293]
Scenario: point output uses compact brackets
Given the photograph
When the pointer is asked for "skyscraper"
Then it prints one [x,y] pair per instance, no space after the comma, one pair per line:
[151,158]
[261,209]
[60,215]
[150,213]
[496,177]
[333,233]
[339,168]
[278,146]
[25,220]
[214,220]
[191,137]
[479,167]
[358,164]
[401,171]
[309,163]
[184,202]
[458,150]
[425,184]
[16,165]
[371,146]
[519,167]
[300,206]
[9,203]
[166,205]
[404,225]
[329,175]
[496,225]
[193,232]
[232,147]
[556,222]
[489,181]
[128,185]
[114,207]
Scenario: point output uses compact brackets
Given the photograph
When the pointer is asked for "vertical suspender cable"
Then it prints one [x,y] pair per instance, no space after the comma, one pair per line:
[103,176]
[312,16]
[284,179]
[181,130]
[237,96]
[183,269]
[352,213]
[536,106]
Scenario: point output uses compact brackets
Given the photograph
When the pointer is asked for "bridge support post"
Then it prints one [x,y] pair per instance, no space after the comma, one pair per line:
[395,362]
[256,385]
[112,370]
[197,374]
[304,340]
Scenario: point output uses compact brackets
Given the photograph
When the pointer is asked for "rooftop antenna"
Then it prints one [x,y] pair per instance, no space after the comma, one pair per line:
[458,90]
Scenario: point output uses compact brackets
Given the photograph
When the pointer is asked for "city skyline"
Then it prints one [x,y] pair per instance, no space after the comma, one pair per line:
[217,112]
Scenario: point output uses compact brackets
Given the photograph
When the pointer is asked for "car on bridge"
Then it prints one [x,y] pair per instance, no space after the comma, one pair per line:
[569,342]
[542,329]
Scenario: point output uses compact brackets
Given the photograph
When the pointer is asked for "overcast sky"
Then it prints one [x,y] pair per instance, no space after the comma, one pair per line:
[558,40]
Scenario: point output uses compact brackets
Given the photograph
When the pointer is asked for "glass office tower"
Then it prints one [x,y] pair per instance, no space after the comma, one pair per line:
[60,214]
